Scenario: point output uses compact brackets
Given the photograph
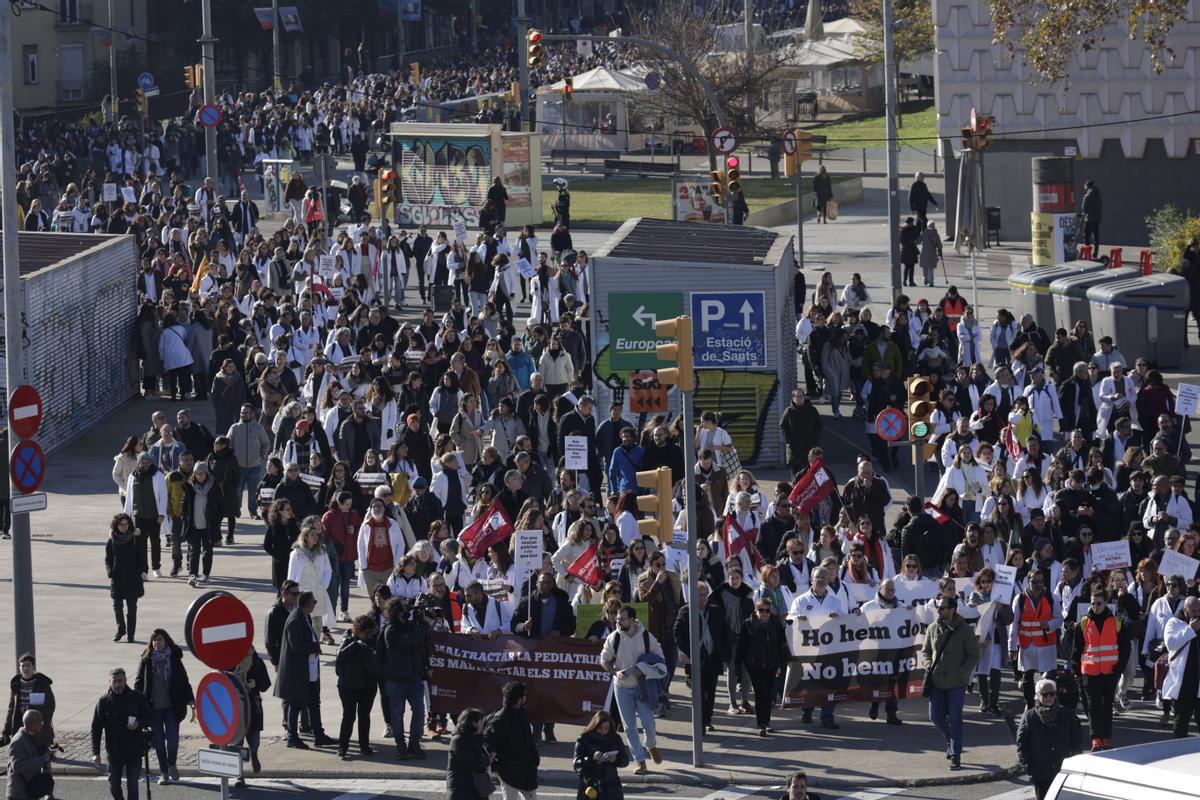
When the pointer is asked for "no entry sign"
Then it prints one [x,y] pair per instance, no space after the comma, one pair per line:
[27,467]
[220,709]
[220,630]
[891,424]
[24,411]
[209,115]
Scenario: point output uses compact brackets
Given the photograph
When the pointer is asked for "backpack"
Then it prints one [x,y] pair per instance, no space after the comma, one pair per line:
[617,641]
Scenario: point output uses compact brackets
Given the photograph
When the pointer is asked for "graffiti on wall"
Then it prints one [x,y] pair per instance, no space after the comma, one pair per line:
[742,398]
[442,180]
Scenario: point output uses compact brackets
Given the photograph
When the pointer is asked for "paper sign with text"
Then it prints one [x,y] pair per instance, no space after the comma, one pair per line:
[576,452]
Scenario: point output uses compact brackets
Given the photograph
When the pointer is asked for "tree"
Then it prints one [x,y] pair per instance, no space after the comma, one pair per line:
[912,34]
[1043,30]
[737,79]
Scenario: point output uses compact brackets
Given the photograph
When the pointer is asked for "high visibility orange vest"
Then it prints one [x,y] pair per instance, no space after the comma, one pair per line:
[1032,616]
[954,308]
[1099,646]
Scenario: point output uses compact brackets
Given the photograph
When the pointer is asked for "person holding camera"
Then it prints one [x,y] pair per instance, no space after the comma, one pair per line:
[29,761]
[404,645]
[122,718]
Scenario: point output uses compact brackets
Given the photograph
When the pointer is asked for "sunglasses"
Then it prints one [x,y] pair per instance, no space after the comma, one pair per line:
[1047,694]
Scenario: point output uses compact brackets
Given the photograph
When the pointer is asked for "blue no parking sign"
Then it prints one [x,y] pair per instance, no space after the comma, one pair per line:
[730,329]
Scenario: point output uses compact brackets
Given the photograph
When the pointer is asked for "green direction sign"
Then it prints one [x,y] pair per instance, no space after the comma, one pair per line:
[632,316]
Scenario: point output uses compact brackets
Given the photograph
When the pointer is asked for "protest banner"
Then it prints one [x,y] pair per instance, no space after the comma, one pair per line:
[576,452]
[566,682]
[869,656]
[587,566]
[586,615]
[911,593]
[1110,555]
[815,485]
[1175,563]
[1006,580]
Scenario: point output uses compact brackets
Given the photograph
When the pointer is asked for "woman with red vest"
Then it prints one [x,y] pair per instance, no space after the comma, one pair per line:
[1100,646]
[1038,617]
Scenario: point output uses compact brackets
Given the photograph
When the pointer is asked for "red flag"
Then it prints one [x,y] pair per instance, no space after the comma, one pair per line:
[935,512]
[815,485]
[492,527]
[587,566]
[1011,444]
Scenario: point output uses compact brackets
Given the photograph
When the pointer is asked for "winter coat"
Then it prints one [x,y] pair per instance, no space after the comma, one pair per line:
[467,758]
[111,719]
[228,395]
[12,720]
[556,370]
[213,511]
[300,640]
[200,345]
[312,570]
[173,348]
[357,665]
[931,249]
[149,335]
[26,758]
[1041,746]
[180,690]
[121,564]
[604,773]
[257,671]
[228,475]
[762,646]
[955,665]
[509,739]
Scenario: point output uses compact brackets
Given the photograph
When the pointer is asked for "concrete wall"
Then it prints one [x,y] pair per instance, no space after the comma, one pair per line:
[846,191]
[79,338]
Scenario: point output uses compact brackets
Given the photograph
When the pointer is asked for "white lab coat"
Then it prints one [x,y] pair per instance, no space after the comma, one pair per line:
[160,492]
[1178,638]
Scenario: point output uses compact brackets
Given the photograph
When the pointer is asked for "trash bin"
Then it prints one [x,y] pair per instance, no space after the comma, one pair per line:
[1145,316]
[1031,288]
[1069,295]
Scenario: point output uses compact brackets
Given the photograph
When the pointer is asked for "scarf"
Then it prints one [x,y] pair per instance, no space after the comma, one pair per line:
[1046,713]
[200,504]
[160,660]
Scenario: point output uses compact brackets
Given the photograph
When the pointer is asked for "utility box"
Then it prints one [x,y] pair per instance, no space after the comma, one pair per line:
[1145,316]
[1031,287]
[736,283]
[1069,295]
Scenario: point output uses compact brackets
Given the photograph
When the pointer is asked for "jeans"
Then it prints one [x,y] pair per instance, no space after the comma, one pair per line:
[945,712]
[540,728]
[131,771]
[738,679]
[249,484]
[200,553]
[344,579]
[356,703]
[632,709]
[165,727]
[412,693]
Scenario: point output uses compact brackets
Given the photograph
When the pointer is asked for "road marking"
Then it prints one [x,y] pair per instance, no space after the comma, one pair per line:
[1020,793]
[24,412]
[223,633]
[874,794]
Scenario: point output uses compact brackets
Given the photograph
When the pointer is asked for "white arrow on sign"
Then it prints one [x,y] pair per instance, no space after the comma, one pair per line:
[747,310]
[641,315]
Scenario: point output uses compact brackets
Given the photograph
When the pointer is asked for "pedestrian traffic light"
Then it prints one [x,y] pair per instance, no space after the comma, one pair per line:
[983,132]
[387,187]
[921,405]
[189,76]
[139,101]
[683,374]
[717,187]
[568,87]
[803,146]
[659,503]
[536,52]
[733,175]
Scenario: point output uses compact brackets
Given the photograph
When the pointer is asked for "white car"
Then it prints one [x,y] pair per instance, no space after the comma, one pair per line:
[1167,770]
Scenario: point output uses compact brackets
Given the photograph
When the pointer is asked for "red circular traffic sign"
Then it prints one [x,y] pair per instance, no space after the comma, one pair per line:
[210,115]
[789,143]
[220,709]
[24,411]
[891,424]
[724,141]
[222,631]
[27,466]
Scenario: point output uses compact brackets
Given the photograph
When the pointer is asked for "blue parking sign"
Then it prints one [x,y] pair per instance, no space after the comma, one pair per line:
[729,329]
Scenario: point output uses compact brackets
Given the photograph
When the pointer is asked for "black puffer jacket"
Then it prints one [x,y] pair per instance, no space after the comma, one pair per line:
[509,739]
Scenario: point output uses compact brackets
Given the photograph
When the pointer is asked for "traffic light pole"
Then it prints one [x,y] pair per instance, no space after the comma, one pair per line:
[207,40]
[893,168]
[523,64]
[689,503]
[685,62]
[276,45]
[112,61]
[799,254]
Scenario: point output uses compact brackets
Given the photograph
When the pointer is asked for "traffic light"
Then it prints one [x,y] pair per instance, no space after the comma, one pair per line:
[536,52]
[139,100]
[387,187]
[733,175]
[568,87]
[968,139]
[717,187]
[921,405]
[983,132]
[659,503]
[803,146]
[680,351]
[414,70]
[514,92]
[189,76]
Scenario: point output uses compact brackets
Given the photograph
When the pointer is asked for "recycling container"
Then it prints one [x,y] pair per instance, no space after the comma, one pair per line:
[1031,288]
[1145,316]
[1069,295]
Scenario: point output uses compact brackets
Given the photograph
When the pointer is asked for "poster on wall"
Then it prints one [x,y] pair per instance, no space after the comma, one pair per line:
[442,179]
[1053,238]
[691,201]
[517,170]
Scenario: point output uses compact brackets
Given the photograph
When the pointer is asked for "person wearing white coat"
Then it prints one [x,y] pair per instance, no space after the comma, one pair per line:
[1002,335]
[1043,405]
[481,614]
[970,339]
[309,566]
[1161,610]
[545,291]
[968,480]
[1182,638]
[176,357]
[381,545]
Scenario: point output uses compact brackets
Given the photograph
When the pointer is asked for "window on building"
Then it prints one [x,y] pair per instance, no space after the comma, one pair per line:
[68,10]
[30,60]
